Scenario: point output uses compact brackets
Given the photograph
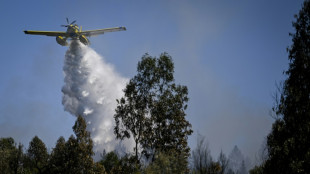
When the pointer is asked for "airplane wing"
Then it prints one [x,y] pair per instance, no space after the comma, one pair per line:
[101,31]
[46,33]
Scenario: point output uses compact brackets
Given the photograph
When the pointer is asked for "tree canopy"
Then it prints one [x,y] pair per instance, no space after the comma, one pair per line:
[152,110]
[289,141]
[38,156]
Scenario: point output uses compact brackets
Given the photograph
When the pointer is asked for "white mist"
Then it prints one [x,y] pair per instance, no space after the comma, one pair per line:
[90,90]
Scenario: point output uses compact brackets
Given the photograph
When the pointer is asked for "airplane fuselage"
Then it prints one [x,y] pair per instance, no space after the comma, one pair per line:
[73,31]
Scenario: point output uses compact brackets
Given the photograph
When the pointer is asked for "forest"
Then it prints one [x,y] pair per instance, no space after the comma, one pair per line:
[152,112]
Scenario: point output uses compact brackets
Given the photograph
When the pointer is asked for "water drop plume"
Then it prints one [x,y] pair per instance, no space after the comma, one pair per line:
[90,90]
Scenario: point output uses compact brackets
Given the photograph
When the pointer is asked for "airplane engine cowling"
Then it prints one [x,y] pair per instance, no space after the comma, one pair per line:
[61,41]
[84,40]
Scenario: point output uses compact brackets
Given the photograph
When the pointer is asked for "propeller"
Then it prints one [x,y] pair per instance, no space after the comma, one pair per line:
[68,23]
[72,22]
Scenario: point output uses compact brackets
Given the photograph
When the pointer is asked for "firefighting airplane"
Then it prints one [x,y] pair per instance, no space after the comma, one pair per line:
[74,32]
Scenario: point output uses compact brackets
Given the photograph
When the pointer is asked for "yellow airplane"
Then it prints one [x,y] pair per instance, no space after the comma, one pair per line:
[73,32]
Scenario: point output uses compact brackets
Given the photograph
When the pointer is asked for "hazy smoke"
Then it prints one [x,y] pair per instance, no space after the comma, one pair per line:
[91,89]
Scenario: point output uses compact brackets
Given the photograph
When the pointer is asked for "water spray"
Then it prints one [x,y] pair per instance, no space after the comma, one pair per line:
[90,90]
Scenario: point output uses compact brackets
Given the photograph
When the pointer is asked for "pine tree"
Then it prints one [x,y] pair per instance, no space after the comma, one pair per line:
[79,149]
[11,156]
[242,169]
[223,162]
[289,141]
[75,155]
[235,159]
[37,156]
[85,143]
[17,160]
[59,157]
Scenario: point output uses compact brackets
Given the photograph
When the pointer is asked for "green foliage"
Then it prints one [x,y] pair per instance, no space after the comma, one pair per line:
[109,161]
[6,147]
[152,110]
[17,160]
[168,163]
[82,147]
[115,165]
[99,168]
[59,157]
[7,143]
[75,155]
[71,157]
[257,170]
[37,156]
[126,164]
[289,141]
[11,157]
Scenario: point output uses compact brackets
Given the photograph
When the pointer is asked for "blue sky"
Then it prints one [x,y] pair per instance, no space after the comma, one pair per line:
[230,54]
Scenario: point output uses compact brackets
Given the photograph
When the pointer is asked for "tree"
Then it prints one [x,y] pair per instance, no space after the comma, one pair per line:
[6,147]
[152,110]
[10,156]
[214,168]
[127,164]
[17,160]
[85,143]
[37,156]
[79,150]
[130,116]
[99,168]
[73,159]
[201,156]
[235,160]
[59,157]
[289,141]
[223,162]
[109,161]
[75,155]
[257,170]
[242,169]
[168,163]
